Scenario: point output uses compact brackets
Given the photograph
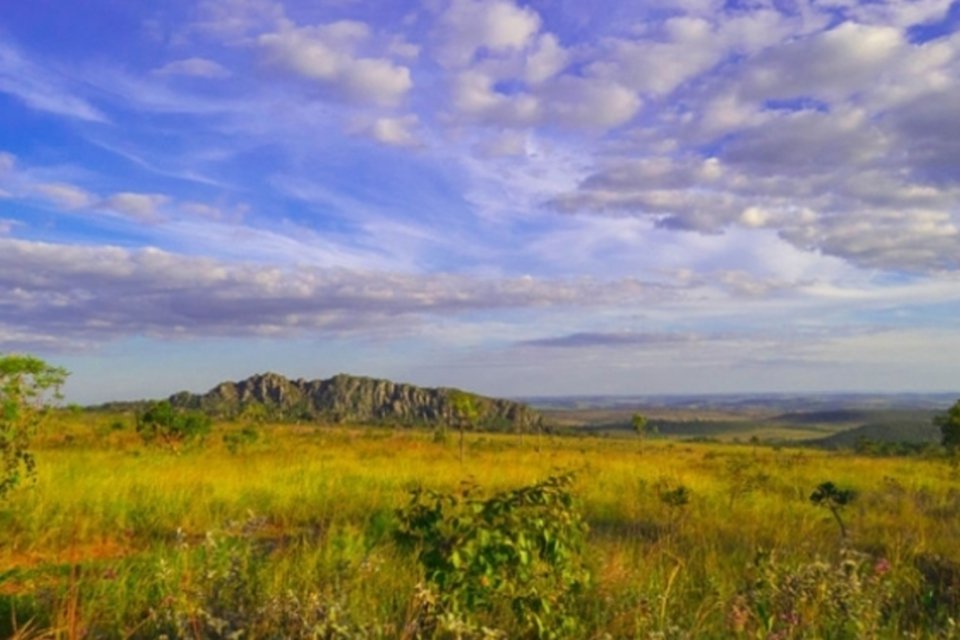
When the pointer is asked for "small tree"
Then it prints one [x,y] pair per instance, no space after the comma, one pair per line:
[27,386]
[833,498]
[162,422]
[466,412]
[949,424]
[641,425]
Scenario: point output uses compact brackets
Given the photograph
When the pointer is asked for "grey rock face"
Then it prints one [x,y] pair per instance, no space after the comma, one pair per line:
[353,399]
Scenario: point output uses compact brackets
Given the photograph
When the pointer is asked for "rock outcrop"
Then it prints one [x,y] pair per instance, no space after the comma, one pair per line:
[352,399]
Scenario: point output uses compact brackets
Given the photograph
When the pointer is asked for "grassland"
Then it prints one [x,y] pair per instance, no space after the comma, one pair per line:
[290,536]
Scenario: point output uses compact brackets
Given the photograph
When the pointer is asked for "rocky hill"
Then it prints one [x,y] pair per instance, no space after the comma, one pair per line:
[352,399]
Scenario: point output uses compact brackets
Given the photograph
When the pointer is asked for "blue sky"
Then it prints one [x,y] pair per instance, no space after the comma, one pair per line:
[544,197]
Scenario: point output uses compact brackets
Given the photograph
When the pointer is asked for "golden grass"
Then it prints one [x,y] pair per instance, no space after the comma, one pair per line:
[320,501]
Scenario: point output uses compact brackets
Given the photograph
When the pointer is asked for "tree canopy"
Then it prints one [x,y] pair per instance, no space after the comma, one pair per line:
[949,424]
[28,385]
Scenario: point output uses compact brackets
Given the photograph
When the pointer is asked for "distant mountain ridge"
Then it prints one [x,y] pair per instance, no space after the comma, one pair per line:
[354,399]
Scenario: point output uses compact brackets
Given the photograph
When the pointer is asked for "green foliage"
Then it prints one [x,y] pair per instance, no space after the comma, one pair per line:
[466,412]
[640,424]
[517,550]
[833,498]
[466,407]
[163,423]
[27,386]
[949,424]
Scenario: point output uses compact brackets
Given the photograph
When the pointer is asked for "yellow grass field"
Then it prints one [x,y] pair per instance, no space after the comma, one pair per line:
[116,539]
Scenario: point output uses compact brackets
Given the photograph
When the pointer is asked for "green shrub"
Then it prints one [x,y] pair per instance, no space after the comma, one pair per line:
[516,551]
[162,423]
[27,386]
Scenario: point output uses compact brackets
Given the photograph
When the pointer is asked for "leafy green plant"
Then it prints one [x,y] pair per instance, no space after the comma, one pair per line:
[466,411]
[27,386]
[834,499]
[162,422]
[518,550]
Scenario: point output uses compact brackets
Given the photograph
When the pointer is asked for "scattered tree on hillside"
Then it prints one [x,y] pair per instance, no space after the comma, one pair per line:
[949,424]
[28,386]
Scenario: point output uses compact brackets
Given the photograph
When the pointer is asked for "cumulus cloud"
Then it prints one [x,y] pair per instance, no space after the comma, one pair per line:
[475,97]
[497,26]
[545,60]
[832,134]
[588,103]
[331,56]
[193,67]
[830,65]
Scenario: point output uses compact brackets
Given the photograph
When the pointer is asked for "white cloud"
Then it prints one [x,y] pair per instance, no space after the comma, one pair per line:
[145,207]
[475,97]
[64,195]
[193,67]
[545,60]
[830,65]
[496,26]
[397,132]
[330,55]
[104,293]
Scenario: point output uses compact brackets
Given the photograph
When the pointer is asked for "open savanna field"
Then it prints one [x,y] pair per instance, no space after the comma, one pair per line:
[292,535]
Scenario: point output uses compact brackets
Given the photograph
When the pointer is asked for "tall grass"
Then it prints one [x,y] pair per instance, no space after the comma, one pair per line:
[293,533]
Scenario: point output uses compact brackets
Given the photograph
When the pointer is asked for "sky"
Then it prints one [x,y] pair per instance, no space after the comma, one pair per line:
[518,198]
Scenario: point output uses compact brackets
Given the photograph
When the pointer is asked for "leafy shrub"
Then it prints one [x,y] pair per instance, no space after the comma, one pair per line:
[163,423]
[516,551]
[27,386]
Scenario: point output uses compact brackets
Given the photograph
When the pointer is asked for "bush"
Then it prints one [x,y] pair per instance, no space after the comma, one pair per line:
[161,422]
[517,551]
[27,386]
